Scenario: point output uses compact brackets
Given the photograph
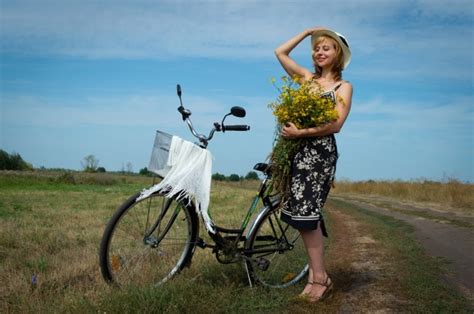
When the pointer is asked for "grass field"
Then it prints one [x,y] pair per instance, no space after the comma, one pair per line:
[51,225]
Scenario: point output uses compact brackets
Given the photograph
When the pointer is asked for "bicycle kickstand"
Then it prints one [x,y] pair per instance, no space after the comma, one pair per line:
[248,274]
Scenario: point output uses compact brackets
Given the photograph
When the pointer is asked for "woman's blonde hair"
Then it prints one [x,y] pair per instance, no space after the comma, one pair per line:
[338,65]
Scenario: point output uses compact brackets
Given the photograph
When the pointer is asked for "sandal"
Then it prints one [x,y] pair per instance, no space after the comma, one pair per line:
[329,288]
[326,294]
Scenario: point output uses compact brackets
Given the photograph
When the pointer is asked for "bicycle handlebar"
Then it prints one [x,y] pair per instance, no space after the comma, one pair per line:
[235,111]
[239,127]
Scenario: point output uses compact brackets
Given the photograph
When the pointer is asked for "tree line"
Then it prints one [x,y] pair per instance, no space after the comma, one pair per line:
[13,162]
[252,175]
[91,164]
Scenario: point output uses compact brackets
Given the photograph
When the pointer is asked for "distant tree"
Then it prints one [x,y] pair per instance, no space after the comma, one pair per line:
[4,160]
[129,167]
[234,177]
[101,169]
[90,163]
[252,175]
[218,177]
[145,172]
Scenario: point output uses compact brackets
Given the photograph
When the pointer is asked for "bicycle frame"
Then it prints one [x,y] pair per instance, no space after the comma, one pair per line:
[226,241]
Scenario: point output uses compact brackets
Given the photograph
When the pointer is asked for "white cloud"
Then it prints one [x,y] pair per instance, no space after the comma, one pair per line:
[395,139]
[131,110]
[238,29]
[406,38]
[377,117]
[453,116]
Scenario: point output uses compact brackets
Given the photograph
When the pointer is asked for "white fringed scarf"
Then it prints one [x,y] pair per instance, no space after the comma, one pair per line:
[189,176]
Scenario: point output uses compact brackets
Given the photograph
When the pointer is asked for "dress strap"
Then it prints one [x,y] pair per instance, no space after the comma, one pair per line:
[339,85]
[313,78]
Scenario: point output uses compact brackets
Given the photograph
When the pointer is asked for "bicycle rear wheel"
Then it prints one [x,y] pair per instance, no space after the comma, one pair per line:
[148,242]
[277,256]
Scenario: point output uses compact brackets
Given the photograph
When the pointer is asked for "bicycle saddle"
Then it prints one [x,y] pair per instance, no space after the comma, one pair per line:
[263,167]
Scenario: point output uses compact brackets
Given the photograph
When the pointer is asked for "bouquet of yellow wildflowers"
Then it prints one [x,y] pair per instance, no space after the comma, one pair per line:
[302,105]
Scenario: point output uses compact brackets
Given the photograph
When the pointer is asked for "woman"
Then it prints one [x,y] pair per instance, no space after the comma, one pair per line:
[314,165]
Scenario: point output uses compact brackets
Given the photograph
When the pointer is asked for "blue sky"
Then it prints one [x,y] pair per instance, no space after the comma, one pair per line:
[99,77]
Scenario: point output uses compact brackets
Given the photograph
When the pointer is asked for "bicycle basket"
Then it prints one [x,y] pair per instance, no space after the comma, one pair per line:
[159,154]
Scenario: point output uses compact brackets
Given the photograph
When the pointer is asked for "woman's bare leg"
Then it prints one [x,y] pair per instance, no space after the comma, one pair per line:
[307,289]
[313,241]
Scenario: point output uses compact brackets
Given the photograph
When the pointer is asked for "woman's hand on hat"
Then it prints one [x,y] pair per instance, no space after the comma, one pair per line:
[290,131]
[315,29]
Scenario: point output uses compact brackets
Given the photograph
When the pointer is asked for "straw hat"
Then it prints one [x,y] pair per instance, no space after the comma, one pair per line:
[341,40]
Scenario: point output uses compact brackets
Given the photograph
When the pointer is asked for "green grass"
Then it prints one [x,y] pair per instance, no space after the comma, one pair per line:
[51,227]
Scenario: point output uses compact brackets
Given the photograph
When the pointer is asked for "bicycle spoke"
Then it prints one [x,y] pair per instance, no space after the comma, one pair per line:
[147,242]
[132,265]
[278,257]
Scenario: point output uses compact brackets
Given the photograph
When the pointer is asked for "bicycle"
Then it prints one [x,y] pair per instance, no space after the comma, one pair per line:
[150,240]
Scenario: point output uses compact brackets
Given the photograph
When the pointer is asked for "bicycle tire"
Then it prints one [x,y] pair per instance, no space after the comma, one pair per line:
[276,257]
[136,249]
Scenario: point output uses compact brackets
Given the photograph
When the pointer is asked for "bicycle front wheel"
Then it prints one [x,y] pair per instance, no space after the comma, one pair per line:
[277,256]
[148,242]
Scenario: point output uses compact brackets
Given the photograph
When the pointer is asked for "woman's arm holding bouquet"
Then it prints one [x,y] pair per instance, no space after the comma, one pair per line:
[343,106]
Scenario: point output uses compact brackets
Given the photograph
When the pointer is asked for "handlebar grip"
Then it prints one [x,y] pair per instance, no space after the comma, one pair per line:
[238,127]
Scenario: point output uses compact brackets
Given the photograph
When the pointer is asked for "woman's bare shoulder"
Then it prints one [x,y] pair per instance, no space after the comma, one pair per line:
[346,84]
[343,86]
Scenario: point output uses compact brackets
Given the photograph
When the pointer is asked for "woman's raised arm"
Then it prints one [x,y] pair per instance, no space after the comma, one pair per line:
[283,55]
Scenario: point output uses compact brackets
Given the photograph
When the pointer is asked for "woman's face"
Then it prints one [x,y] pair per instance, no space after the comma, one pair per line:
[325,54]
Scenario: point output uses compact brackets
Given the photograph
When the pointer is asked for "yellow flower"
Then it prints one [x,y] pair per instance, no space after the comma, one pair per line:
[303,105]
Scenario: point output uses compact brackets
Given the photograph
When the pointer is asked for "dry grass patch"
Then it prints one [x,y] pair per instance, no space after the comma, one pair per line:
[452,194]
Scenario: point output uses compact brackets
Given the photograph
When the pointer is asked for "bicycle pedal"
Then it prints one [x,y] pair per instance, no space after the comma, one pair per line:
[263,263]
[200,243]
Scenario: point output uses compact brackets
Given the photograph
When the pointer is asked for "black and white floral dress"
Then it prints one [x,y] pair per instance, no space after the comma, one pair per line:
[312,173]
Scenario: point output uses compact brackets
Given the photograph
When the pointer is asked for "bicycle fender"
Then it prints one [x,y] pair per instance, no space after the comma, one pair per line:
[261,215]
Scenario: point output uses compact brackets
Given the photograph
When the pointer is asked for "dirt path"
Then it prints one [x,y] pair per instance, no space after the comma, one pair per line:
[360,267]
[443,234]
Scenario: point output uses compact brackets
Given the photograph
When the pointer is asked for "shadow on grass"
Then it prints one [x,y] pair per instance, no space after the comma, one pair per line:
[350,280]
